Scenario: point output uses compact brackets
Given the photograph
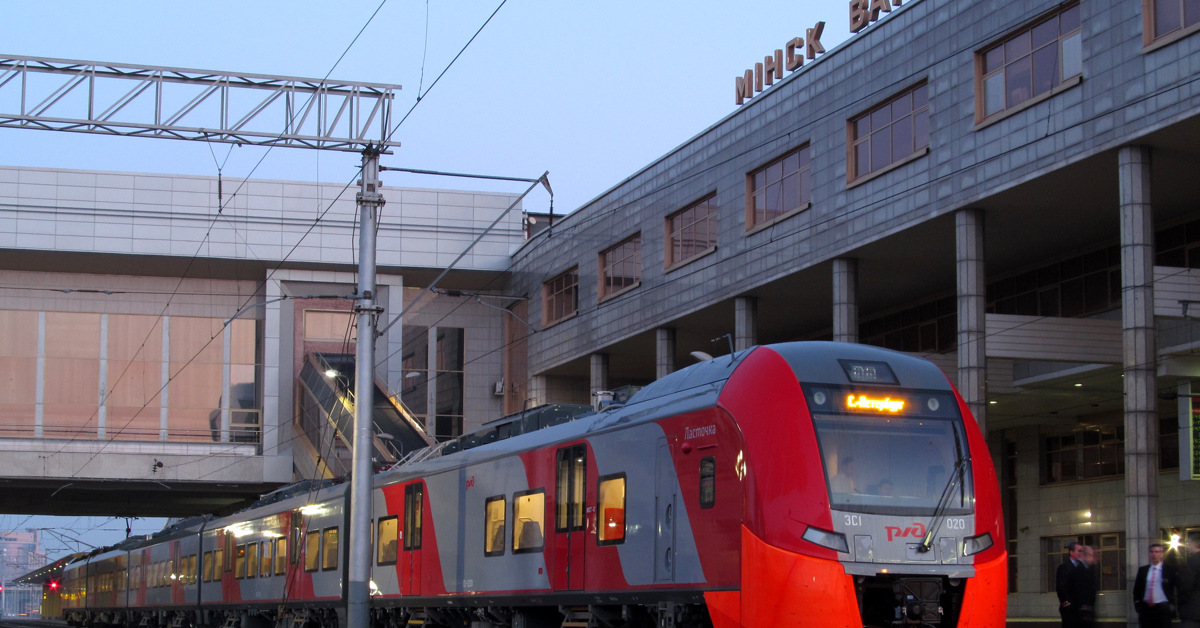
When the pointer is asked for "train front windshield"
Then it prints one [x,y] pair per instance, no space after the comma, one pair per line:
[891,453]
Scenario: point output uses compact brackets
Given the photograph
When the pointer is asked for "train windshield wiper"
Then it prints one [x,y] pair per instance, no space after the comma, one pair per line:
[935,522]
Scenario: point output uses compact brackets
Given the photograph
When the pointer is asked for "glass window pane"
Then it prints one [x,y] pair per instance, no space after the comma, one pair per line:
[281,556]
[1191,12]
[862,127]
[529,511]
[902,106]
[920,95]
[611,501]
[388,536]
[862,158]
[1072,56]
[252,560]
[312,550]
[1045,32]
[791,192]
[993,59]
[1045,69]
[1018,82]
[494,523]
[993,94]
[902,139]
[881,149]
[1069,19]
[1017,47]
[1167,17]
[329,549]
[880,118]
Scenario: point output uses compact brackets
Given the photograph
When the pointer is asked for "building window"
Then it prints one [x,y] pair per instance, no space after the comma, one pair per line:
[1108,548]
[560,297]
[779,188]
[449,385]
[1029,63]
[621,267]
[1166,17]
[1079,286]
[692,231]
[1083,455]
[889,133]
[926,328]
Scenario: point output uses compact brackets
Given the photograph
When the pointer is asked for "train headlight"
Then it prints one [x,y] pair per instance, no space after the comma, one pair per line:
[835,541]
[975,544]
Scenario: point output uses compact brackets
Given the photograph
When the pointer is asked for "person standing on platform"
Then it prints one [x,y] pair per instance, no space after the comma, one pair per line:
[1154,590]
[1068,584]
[1090,583]
[1189,587]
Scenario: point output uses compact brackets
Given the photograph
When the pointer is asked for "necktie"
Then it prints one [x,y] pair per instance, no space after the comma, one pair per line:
[1151,582]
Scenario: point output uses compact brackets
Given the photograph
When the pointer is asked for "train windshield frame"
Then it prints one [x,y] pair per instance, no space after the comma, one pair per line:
[891,450]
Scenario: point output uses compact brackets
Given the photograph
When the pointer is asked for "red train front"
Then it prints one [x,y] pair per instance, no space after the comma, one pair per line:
[871,499]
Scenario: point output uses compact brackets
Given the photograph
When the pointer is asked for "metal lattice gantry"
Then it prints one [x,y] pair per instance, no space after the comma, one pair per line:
[177,103]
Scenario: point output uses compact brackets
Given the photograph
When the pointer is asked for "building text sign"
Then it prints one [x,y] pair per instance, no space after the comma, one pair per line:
[863,12]
[774,66]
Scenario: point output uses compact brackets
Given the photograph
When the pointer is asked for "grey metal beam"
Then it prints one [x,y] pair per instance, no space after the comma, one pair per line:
[186,104]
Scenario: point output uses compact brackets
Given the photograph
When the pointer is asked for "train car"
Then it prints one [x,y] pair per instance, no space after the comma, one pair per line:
[799,484]
[822,484]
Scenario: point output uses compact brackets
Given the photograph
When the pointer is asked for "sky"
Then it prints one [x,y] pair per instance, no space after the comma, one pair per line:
[589,91]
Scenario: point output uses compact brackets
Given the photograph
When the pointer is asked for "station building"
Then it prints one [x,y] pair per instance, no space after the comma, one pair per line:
[1006,188]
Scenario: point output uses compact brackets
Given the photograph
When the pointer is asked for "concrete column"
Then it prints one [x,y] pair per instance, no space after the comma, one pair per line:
[745,323]
[845,300]
[664,352]
[972,313]
[599,372]
[1139,350]
[537,394]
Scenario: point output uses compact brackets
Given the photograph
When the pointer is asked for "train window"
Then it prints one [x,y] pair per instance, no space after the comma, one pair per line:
[572,467]
[610,498]
[264,563]
[312,550]
[239,562]
[389,528]
[218,563]
[121,582]
[137,577]
[207,564]
[708,482]
[529,517]
[190,574]
[281,555]
[252,560]
[329,549]
[494,510]
[413,505]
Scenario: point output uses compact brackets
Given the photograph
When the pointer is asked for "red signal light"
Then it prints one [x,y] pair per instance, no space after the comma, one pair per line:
[53,584]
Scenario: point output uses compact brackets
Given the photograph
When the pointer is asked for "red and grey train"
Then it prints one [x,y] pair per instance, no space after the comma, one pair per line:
[799,484]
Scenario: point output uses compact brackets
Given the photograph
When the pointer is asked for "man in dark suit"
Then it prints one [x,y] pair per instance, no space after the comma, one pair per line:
[1154,590]
[1069,583]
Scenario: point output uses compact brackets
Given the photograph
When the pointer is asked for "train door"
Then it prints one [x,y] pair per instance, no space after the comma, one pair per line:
[569,528]
[665,501]
[410,558]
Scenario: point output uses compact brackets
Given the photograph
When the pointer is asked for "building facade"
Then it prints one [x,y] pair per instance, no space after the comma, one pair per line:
[20,552]
[1003,187]
[156,329]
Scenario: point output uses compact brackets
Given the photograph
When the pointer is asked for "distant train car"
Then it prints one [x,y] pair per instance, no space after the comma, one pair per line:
[800,484]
